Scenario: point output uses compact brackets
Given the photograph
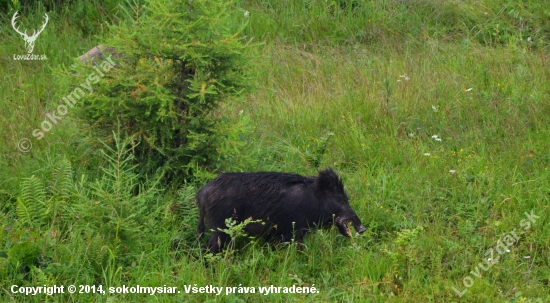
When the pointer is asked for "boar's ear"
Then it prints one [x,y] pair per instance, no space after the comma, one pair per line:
[328,181]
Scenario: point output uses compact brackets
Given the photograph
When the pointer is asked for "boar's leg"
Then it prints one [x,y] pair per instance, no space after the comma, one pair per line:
[297,235]
[217,241]
[200,227]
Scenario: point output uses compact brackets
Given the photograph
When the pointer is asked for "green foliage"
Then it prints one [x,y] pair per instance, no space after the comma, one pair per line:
[491,23]
[32,195]
[38,207]
[185,215]
[62,186]
[182,59]
[85,16]
[118,202]
[314,154]
[405,252]
[108,216]
[236,232]
[236,138]
[71,213]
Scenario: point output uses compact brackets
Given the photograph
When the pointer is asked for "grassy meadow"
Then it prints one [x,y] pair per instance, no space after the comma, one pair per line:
[436,114]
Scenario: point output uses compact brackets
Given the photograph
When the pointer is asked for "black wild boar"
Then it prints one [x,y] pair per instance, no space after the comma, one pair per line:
[288,204]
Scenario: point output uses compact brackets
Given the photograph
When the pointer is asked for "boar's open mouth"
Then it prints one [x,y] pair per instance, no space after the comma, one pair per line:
[342,224]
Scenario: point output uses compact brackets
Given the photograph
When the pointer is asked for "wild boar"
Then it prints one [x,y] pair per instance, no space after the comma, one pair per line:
[287,204]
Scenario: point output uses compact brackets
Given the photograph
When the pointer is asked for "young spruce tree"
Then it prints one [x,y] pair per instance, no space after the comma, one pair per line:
[179,60]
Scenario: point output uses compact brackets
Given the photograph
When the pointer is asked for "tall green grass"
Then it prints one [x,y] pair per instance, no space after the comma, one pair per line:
[492,23]
[332,89]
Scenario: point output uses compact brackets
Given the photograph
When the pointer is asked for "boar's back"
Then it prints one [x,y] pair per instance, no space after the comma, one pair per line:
[275,198]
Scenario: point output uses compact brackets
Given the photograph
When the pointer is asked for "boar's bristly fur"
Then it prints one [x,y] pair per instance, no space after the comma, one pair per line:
[287,204]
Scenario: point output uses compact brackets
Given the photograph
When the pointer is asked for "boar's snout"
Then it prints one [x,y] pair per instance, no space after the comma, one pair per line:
[360,229]
[343,228]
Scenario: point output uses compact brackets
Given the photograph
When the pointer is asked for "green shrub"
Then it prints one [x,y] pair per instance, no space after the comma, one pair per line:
[180,61]
[103,221]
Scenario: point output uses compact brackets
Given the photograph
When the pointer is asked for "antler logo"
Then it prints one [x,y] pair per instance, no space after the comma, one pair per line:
[29,41]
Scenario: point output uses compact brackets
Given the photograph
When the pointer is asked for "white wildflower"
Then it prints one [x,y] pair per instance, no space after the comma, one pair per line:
[246,13]
[468,90]
[427,154]
[436,138]
[452,171]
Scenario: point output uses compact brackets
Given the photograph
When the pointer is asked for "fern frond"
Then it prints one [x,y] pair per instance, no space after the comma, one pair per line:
[39,277]
[31,205]
[33,190]
[63,186]
[184,204]
[186,193]
[23,213]
[97,253]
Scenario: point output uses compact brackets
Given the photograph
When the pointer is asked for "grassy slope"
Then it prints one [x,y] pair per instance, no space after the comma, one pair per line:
[332,79]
